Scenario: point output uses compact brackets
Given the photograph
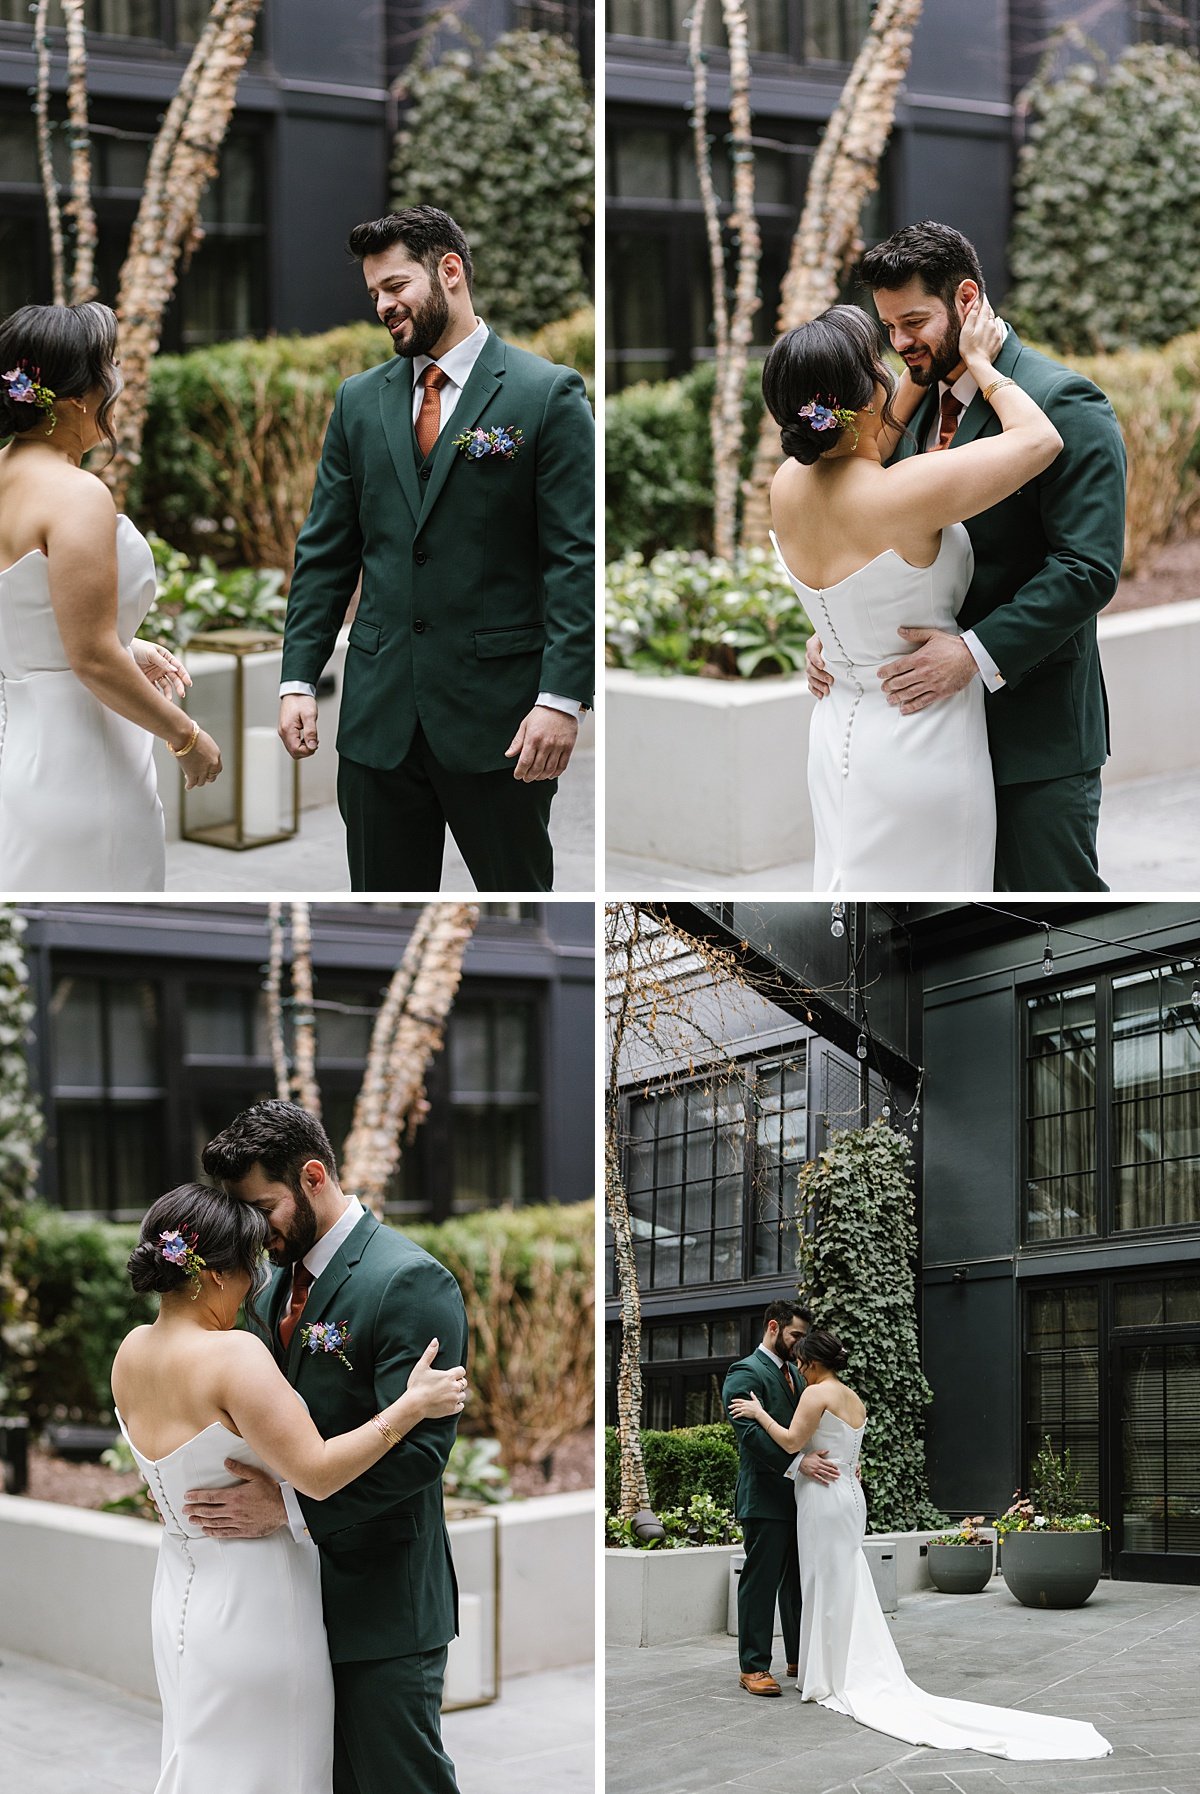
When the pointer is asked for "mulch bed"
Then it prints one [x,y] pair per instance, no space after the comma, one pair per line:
[573,1466]
[1168,577]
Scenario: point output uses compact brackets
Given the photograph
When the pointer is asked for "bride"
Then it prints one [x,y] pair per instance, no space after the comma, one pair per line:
[848,1660]
[902,795]
[81,699]
[239,1641]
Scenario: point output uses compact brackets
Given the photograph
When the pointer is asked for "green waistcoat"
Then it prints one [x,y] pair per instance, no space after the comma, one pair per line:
[1047,560]
[478,576]
[763,1492]
[387,1579]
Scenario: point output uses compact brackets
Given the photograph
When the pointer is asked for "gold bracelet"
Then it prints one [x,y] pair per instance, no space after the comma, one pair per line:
[1004,380]
[385,1429]
[180,752]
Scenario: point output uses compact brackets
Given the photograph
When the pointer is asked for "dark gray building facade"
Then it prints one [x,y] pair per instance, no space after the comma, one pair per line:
[1057,1173]
[950,155]
[151,1034]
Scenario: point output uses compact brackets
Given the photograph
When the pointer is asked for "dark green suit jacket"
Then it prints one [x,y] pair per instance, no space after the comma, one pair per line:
[1047,560]
[763,1492]
[478,577]
[387,1579]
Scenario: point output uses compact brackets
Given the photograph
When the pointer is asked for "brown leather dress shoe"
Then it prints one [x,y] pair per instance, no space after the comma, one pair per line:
[793,1671]
[757,1681]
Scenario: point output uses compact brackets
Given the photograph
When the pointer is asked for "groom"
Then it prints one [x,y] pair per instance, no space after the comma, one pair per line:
[387,1580]
[457,483]
[765,1502]
[1047,561]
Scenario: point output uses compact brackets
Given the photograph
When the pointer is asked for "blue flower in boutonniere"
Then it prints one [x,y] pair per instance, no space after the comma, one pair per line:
[504,441]
[327,1336]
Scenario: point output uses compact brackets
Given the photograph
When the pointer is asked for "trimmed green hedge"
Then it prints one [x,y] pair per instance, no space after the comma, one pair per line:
[82,1307]
[695,1460]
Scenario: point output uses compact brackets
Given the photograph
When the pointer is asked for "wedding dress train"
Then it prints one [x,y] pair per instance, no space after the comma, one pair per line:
[79,808]
[899,803]
[848,1659]
[239,1641]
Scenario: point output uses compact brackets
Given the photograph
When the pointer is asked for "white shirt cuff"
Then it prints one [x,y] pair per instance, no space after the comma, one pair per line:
[297,688]
[992,677]
[295,1517]
[569,706]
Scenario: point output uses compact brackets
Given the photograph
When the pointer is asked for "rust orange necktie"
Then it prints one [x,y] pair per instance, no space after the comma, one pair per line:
[951,409]
[429,417]
[302,1281]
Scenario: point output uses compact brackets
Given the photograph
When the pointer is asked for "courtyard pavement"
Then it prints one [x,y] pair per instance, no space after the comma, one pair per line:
[1129,1661]
[62,1733]
[315,859]
[1149,842]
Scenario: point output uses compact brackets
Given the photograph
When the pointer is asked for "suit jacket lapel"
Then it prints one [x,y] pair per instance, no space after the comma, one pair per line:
[327,1285]
[921,421]
[483,382]
[395,412]
[979,412]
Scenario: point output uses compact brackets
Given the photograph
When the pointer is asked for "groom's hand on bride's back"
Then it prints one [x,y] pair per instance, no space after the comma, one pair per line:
[816,1465]
[298,725]
[250,1510]
[820,679]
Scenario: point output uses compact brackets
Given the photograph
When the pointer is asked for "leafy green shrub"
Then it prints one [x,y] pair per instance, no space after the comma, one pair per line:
[659,468]
[702,1522]
[192,598]
[234,433]
[1105,252]
[503,142]
[687,613]
[857,1274]
[691,1461]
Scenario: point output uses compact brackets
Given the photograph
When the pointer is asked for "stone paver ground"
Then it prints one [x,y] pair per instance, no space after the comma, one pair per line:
[1129,1661]
[62,1733]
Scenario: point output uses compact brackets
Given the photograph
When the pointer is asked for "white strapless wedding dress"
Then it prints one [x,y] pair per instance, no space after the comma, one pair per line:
[239,1642]
[848,1660]
[899,803]
[79,807]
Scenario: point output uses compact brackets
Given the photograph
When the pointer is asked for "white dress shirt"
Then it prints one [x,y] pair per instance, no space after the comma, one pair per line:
[964,389]
[456,364]
[315,1261]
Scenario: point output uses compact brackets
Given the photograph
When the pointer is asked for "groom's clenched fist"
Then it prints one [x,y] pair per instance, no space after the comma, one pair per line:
[542,744]
[298,725]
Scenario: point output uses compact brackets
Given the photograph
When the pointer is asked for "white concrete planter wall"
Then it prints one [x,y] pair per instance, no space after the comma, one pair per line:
[76,1588]
[658,1597]
[210,703]
[713,773]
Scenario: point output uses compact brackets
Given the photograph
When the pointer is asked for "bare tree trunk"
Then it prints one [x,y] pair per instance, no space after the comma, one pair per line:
[79,207]
[279,1063]
[728,425]
[304,1020]
[635,1490]
[845,172]
[41,108]
[702,147]
[430,984]
[182,162]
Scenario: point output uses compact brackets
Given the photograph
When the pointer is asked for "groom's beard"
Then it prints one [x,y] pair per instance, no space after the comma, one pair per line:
[942,360]
[301,1236]
[428,324]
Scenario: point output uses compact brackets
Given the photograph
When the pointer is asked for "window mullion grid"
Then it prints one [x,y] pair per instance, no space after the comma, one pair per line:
[1105,1183]
[751,1173]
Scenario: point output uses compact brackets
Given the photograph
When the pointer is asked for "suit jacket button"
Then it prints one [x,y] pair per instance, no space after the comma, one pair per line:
[418,626]
[425,473]
[420,557]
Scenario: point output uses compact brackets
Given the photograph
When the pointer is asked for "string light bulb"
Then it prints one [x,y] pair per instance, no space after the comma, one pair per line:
[861,1048]
[1048,956]
[1196,997]
[837,921]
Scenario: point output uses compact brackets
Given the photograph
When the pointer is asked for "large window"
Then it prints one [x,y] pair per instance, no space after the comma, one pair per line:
[803,31]
[1112,1107]
[711,1171]
[176,24]
[1168,22]
[1062,1345]
[108,1095]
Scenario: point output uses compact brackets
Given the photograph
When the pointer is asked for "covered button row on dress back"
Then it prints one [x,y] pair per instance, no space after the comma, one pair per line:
[859,689]
[168,1511]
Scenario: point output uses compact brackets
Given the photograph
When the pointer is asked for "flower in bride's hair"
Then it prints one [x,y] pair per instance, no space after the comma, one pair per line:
[178,1247]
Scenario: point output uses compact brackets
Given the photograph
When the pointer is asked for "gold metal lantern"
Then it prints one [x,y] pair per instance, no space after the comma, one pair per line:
[256,800]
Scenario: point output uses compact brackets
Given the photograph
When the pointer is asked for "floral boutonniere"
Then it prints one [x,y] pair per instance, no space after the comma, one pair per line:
[327,1336]
[504,441]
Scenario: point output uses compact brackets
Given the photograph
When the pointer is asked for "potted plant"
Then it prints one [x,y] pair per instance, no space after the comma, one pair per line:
[1051,1553]
[961,1563]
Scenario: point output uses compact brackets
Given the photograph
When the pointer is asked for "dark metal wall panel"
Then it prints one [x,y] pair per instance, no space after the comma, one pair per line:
[330,174]
[970,1360]
[970,1110]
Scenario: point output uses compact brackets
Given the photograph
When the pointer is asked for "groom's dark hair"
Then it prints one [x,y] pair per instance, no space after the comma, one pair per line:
[281,1137]
[426,233]
[937,254]
[782,1314]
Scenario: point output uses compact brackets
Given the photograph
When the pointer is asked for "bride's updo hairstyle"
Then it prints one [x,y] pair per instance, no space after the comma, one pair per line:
[70,349]
[820,1347]
[834,361]
[227,1234]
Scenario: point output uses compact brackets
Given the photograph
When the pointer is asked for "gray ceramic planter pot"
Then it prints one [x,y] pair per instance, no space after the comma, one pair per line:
[1052,1569]
[960,1569]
